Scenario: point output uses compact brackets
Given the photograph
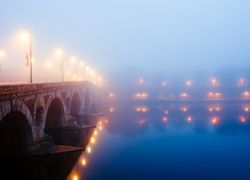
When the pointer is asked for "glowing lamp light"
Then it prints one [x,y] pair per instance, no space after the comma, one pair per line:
[59,52]
[95,132]
[92,140]
[2,53]
[75,177]
[73,59]
[89,150]
[84,161]
[24,36]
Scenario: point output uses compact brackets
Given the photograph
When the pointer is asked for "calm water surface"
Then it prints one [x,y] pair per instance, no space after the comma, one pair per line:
[159,140]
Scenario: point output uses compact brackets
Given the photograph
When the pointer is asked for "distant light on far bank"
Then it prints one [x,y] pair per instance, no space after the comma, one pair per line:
[189,83]
[214,82]
[163,83]
[141,81]
[241,82]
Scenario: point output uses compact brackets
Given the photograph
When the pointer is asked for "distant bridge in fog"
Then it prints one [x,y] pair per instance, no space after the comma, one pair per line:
[27,111]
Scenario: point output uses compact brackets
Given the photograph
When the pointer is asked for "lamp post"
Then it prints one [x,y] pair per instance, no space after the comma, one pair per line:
[59,53]
[74,63]
[82,70]
[62,69]
[2,54]
[48,66]
[26,35]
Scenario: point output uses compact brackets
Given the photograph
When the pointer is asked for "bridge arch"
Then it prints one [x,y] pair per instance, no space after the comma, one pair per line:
[76,104]
[87,98]
[55,114]
[15,133]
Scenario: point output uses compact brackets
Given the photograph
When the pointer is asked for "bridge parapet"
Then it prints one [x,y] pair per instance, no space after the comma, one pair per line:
[27,89]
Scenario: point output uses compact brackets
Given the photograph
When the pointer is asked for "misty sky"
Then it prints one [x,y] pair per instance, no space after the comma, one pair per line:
[123,35]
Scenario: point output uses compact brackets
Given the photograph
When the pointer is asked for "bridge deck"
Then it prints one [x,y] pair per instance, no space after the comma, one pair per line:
[19,90]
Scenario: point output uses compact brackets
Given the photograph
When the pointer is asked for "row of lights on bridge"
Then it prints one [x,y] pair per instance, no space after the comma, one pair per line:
[90,74]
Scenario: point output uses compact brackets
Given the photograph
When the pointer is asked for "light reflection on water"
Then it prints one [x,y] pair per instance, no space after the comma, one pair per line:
[159,140]
[83,160]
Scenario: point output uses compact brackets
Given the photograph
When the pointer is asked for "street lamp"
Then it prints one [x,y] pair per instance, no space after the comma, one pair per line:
[82,64]
[73,60]
[48,66]
[87,73]
[2,55]
[59,53]
[26,36]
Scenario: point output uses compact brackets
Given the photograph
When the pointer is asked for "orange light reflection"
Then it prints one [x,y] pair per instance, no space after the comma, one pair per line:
[189,119]
[214,120]
[242,119]
[164,119]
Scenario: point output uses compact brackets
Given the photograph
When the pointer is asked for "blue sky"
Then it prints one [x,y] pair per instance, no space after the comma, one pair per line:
[141,35]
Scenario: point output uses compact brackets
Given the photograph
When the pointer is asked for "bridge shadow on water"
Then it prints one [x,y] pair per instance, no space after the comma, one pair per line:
[51,162]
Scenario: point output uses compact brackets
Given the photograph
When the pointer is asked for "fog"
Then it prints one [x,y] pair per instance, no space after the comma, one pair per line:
[170,40]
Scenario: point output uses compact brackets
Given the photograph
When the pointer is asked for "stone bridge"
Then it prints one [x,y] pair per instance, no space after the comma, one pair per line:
[27,111]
